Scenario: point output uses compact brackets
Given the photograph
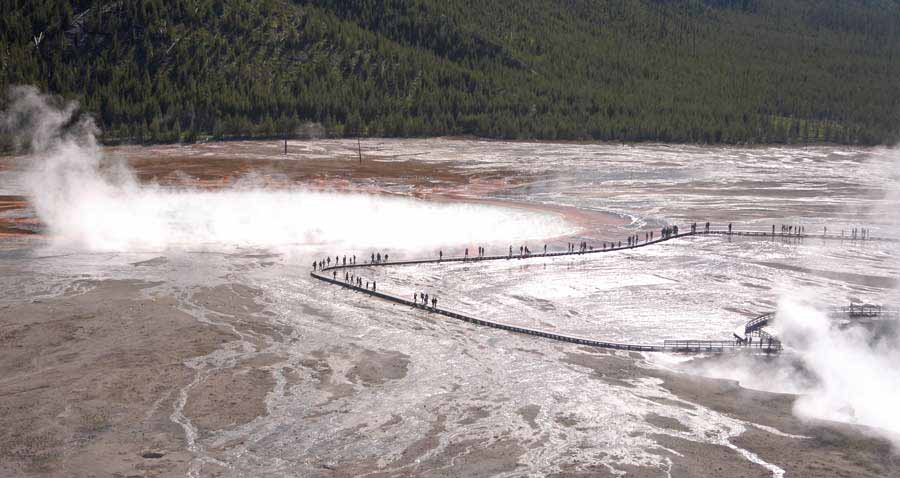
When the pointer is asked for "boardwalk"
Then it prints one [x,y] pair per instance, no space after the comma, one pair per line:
[328,274]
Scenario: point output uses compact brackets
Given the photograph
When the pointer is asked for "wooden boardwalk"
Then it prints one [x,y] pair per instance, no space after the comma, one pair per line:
[677,346]
[754,328]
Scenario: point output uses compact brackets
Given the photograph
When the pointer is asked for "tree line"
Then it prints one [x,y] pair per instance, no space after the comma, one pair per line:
[698,71]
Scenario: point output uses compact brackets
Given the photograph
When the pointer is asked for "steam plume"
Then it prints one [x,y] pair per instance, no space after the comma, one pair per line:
[90,203]
[857,379]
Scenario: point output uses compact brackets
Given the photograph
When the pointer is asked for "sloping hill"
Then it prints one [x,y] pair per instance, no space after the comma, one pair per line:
[671,70]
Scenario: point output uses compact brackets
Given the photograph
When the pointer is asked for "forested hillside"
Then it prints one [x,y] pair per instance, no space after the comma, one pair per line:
[729,71]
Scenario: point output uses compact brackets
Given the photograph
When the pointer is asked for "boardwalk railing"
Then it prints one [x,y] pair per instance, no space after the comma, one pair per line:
[758,323]
[770,345]
[686,346]
[865,311]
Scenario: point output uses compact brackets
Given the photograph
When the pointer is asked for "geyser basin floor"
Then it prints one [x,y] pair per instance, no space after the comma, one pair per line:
[288,377]
[231,360]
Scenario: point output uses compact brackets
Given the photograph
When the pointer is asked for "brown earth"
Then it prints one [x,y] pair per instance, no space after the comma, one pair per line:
[90,382]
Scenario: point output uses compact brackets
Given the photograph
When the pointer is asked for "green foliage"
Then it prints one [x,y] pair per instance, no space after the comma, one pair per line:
[709,71]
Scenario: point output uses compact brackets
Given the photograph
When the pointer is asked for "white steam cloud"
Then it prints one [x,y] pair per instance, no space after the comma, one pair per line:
[91,204]
[857,378]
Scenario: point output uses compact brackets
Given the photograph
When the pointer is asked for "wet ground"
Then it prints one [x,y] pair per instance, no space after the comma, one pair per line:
[294,377]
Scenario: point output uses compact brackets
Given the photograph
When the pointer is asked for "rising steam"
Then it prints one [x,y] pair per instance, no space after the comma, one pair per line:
[855,367]
[91,203]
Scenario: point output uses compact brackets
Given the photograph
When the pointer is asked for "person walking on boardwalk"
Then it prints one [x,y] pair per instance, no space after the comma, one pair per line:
[328,260]
[545,249]
[334,275]
[729,228]
[434,302]
[314,265]
[385,257]
[378,257]
[467,254]
[440,255]
[373,286]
